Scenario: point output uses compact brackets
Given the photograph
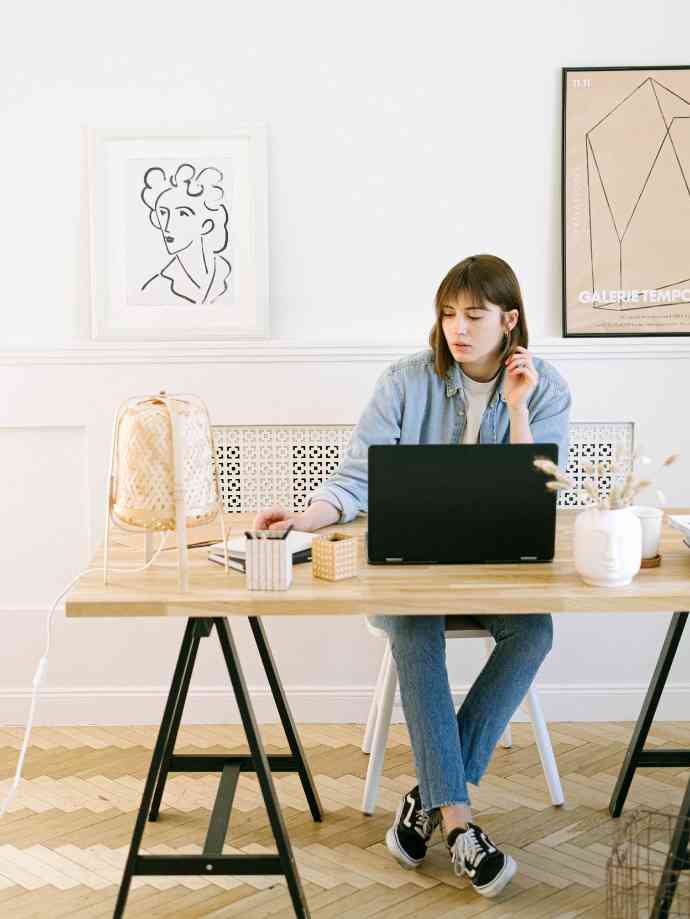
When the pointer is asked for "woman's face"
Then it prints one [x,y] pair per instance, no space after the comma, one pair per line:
[475,334]
[180,218]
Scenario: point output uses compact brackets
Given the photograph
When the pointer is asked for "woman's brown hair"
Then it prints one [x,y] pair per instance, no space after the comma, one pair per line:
[482,278]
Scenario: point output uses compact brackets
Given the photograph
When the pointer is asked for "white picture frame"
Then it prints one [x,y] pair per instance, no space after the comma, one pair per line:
[179,234]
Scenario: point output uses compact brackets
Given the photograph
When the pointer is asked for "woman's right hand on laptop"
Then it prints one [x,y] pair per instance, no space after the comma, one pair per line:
[317,515]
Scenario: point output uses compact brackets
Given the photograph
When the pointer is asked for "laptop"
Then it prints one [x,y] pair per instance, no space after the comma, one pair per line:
[453,504]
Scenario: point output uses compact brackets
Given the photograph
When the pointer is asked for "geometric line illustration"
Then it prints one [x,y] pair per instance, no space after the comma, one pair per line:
[648,132]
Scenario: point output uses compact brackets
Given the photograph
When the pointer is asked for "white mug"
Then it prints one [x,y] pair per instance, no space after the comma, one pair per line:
[650,519]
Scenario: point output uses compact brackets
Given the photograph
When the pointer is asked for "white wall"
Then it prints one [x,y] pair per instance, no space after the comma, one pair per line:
[401,138]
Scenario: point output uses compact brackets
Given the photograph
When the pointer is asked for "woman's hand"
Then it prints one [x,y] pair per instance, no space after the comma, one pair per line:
[278,518]
[520,381]
[318,514]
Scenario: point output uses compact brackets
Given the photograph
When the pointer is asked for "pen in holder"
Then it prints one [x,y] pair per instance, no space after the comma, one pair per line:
[334,557]
[268,561]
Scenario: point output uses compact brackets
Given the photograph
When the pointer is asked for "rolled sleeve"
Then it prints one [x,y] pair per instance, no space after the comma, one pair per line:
[348,488]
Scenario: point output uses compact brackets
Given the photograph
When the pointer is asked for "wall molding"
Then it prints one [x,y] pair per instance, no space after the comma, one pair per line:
[105,705]
[284,351]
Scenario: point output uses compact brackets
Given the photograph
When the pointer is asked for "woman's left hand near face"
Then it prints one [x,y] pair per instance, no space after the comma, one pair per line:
[520,380]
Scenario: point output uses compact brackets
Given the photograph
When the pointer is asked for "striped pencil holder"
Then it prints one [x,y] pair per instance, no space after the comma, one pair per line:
[268,564]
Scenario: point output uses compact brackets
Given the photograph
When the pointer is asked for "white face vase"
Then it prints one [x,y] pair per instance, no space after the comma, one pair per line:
[608,547]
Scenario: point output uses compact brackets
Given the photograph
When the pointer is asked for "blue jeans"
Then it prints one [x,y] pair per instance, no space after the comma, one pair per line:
[451,750]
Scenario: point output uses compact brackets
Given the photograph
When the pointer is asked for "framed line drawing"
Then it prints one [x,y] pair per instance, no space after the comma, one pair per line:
[626,201]
[178,223]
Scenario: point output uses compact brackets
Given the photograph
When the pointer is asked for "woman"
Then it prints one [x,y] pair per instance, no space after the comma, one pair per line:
[478,383]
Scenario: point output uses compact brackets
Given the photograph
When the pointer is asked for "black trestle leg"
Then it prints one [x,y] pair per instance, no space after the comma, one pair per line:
[677,860]
[263,773]
[164,760]
[286,719]
[156,762]
[634,755]
[197,630]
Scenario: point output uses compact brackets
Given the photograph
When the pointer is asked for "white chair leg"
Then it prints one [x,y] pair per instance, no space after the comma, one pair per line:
[380,736]
[507,736]
[375,702]
[548,760]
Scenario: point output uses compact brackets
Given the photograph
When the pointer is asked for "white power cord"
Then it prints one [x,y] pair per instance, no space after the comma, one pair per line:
[42,667]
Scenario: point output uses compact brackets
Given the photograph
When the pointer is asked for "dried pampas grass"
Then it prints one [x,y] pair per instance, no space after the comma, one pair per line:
[620,495]
[560,481]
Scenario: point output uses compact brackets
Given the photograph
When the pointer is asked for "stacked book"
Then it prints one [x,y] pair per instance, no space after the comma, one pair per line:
[298,543]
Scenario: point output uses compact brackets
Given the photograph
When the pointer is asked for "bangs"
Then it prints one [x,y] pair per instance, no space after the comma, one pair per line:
[465,284]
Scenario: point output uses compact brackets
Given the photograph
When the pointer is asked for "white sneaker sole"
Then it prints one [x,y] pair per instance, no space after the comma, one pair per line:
[398,853]
[502,879]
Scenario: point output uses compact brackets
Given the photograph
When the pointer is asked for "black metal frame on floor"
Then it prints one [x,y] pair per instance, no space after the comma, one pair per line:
[678,858]
[164,760]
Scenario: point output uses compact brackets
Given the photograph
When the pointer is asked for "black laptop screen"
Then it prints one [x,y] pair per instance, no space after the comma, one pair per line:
[460,503]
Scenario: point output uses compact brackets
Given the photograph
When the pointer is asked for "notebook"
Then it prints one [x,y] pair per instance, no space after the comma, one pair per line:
[300,543]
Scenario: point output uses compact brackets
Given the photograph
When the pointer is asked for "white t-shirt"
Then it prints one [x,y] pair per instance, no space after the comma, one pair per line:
[477,396]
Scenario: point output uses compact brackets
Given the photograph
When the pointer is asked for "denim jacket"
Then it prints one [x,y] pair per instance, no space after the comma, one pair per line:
[411,404]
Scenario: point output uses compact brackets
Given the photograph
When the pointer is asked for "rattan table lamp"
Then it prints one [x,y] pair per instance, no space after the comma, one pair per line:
[163,473]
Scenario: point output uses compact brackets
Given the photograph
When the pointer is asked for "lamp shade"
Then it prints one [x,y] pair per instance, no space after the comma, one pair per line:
[145,484]
[163,473]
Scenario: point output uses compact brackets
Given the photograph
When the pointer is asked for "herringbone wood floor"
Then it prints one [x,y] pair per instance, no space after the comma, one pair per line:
[63,844]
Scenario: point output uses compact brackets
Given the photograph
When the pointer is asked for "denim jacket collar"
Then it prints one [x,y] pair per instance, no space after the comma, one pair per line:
[454,384]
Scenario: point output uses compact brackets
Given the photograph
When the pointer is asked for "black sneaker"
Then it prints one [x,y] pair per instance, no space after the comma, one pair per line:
[409,836]
[472,853]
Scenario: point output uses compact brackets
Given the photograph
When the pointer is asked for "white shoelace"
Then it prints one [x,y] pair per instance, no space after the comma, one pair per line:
[468,850]
[424,824]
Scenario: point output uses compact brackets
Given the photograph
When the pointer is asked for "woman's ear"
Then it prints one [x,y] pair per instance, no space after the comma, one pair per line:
[206,226]
[512,319]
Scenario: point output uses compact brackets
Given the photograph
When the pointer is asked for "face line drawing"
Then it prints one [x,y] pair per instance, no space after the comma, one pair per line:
[193,233]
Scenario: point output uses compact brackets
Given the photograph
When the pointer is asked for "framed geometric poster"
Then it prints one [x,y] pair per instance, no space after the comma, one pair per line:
[626,201]
[178,234]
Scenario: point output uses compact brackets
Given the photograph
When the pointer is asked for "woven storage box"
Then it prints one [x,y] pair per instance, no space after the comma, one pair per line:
[334,557]
[268,564]
[639,876]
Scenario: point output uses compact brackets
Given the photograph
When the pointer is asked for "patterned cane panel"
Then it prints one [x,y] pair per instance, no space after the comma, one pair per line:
[283,465]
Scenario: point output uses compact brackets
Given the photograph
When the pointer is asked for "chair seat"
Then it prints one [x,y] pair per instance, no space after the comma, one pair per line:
[456,627]
[465,627]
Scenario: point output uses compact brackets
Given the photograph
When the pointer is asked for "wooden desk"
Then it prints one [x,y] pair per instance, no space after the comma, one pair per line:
[411,589]
[406,590]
